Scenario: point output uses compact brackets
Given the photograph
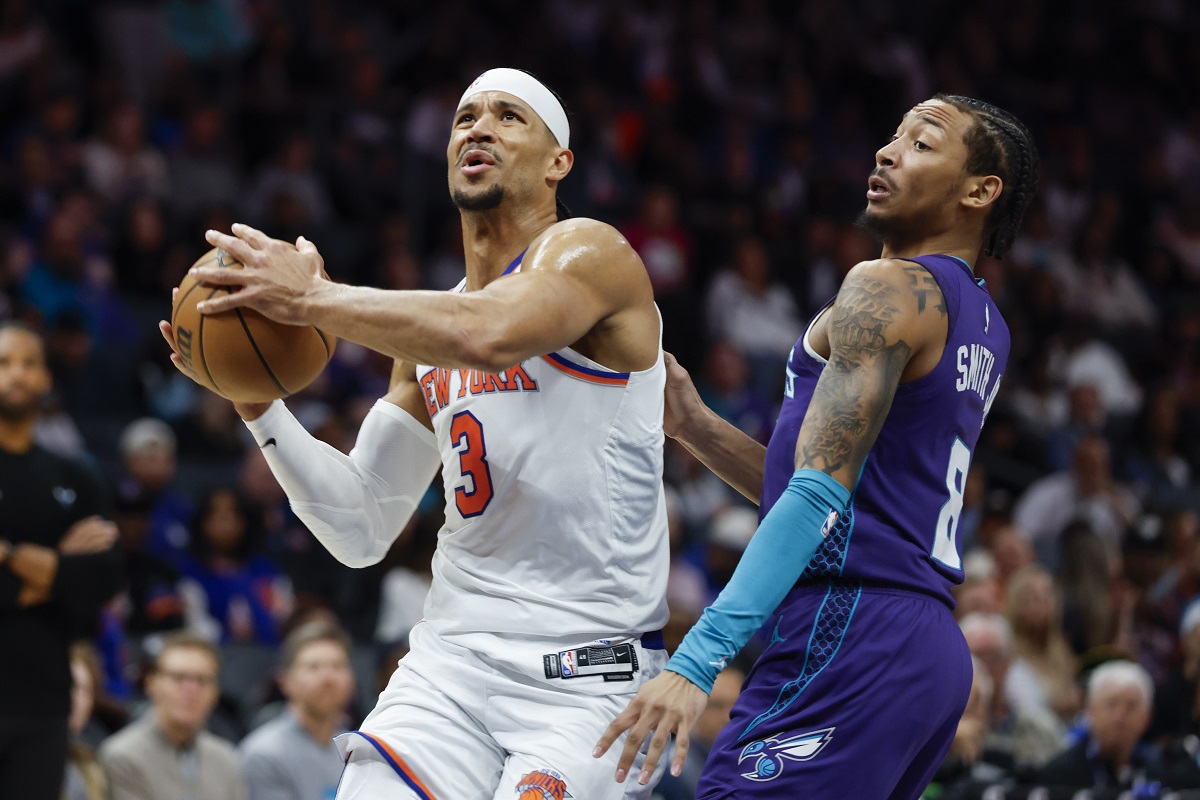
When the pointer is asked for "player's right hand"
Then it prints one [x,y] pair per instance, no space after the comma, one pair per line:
[669,703]
[683,402]
[89,535]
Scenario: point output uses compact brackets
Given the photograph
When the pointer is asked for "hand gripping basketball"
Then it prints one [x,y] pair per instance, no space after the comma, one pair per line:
[232,349]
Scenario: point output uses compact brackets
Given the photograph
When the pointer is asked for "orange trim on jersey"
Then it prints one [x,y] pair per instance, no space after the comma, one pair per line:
[398,763]
[585,373]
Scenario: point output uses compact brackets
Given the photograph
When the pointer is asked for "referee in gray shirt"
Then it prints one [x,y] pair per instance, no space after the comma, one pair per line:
[293,757]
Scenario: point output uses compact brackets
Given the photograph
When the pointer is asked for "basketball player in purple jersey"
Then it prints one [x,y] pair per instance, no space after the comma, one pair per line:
[861,687]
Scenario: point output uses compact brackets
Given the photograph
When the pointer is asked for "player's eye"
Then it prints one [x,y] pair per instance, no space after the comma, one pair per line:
[464,118]
[511,115]
[920,145]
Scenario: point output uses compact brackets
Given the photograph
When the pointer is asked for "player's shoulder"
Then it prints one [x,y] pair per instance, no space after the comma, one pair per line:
[590,250]
[884,269]
[583,230]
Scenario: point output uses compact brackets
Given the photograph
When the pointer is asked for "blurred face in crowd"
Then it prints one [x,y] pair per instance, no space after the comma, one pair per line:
[320,680]
[153,465]
[988,647]
[1036,602]
[1119,715]
[183,689]
[919,185]
[500,149]
[224,525]
[1092,466]
[24,377]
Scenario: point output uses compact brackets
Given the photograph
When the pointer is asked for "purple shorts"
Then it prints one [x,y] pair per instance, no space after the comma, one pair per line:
[858,695]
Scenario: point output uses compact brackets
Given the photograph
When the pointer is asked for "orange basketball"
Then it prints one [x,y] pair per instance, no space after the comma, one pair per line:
[241,354]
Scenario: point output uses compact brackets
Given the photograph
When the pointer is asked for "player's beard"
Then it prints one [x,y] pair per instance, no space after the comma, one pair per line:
[19,412]
[880,228]
[486,200]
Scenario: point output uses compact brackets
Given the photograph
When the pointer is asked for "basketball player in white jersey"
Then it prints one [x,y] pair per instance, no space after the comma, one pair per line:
[537,388]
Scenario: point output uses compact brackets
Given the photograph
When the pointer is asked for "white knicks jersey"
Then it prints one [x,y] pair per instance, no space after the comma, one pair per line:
[556,527]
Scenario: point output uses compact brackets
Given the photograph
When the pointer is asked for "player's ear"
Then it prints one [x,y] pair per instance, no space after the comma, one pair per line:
[560,166]
[982,191]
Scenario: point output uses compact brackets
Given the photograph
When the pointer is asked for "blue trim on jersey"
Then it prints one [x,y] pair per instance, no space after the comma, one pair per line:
[515,262]
[966,266]
[653,640]
[400,770]
[598,373]
[792,690]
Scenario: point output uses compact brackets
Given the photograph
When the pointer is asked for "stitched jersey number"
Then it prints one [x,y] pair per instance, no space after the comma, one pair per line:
[466,432]
[945,542]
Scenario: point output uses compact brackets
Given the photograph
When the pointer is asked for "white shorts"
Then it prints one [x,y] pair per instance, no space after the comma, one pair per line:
[451,727]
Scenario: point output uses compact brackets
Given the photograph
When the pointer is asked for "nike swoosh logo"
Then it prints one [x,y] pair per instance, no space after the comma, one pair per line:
[268,443]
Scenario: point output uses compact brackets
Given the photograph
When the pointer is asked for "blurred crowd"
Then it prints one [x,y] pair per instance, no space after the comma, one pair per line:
[730,142]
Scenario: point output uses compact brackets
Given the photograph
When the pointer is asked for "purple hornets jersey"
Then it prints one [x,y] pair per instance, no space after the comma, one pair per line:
[902,531]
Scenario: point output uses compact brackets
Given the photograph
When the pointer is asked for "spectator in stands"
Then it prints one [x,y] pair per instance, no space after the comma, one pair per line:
[1097,610]
[147,448]
[1034,612]
[58,566]
[1088,491]
[167,753]
[1177,698]
[1111,754]
[728,390]
[122,166]
[755,313]
[85,779]
[293,756]
[1020,723]
[234,593]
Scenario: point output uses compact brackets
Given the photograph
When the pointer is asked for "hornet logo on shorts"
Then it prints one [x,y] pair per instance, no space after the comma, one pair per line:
[769,754]
[542,784]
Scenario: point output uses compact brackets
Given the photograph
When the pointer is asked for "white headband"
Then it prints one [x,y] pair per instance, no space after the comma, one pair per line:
[525,87]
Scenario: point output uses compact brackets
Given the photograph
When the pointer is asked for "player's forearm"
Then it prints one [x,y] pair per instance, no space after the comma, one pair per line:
[732,456]
[357,504]
[421,327]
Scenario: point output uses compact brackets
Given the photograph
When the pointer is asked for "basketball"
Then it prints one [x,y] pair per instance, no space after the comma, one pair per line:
[240,354]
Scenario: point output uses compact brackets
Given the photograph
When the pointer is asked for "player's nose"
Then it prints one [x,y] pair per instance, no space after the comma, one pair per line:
[483,130]
[886,155]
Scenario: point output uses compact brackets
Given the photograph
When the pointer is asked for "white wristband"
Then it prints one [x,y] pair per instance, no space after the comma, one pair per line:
[356,504]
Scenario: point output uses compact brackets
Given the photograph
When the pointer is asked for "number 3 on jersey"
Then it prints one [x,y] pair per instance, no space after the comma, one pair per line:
[945,542]
[466,432]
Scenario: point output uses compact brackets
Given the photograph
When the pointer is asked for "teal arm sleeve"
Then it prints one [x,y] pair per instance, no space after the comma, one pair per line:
[774,560]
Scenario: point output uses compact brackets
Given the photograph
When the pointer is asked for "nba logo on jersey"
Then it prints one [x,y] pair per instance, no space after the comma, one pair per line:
[542,784]
[566,660]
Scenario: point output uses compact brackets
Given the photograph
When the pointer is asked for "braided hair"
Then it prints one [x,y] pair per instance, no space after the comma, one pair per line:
[999,144]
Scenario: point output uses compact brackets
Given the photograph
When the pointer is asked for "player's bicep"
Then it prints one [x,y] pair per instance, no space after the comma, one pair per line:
[870,334]
[405,392]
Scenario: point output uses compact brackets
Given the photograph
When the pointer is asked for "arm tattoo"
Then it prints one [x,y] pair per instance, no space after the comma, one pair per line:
[855,390]
[924,286]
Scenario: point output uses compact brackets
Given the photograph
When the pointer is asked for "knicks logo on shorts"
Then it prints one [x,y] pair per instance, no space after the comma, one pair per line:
[542,784]
[767,756]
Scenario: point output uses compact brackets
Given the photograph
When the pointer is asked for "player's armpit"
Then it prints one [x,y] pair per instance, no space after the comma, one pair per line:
[405,392]
[875,327]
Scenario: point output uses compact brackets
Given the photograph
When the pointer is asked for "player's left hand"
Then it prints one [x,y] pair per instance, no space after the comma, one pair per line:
[276,278]
[669,703]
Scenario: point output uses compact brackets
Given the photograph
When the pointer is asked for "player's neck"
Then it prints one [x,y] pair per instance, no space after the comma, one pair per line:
[17,436]
[943,244]
[492,239]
